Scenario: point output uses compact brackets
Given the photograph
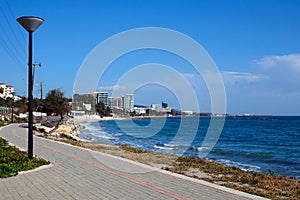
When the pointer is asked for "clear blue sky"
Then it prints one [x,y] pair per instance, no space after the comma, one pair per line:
[254,43]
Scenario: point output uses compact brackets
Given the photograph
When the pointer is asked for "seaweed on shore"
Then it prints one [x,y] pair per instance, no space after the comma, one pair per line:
[132,149]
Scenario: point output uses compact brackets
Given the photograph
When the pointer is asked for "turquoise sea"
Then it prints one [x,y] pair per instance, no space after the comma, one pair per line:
[253,143]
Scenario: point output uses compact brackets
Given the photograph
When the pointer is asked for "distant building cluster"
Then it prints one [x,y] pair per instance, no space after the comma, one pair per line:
[125,102]
[120,106]
[104,105]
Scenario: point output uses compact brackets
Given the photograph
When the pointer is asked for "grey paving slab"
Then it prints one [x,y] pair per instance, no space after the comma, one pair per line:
[78,173]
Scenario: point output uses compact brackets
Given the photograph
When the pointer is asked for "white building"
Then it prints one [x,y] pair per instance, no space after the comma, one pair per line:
[129,102]
[158,108]
[76,113]
[87,106]
[6,91]
[187,112]
[139,110]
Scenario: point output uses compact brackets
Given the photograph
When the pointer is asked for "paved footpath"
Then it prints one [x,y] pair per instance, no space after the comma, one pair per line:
[77,173]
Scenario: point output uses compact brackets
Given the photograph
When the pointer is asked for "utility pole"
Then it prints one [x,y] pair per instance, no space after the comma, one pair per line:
[42,103]
[12,107]
[35,65]
[41,90]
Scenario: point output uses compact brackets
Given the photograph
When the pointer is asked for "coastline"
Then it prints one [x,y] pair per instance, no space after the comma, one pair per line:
[266,185]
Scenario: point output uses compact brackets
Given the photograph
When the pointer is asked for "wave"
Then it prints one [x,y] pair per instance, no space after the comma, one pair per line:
[243,166]
[105,137]
[93,130]
[180,147]
[91,127]
[174,146]
[164,146]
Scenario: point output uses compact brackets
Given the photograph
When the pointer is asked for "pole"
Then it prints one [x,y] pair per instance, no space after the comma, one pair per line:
[30,99]
[41,84]
[30,24]
[12,108]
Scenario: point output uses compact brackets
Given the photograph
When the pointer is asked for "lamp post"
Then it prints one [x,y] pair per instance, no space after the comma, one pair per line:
[30,24]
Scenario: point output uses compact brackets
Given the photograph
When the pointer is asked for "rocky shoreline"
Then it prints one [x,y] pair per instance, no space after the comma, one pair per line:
[65,130]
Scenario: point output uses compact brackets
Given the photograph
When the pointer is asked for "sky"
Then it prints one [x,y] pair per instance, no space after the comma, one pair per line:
[255,45]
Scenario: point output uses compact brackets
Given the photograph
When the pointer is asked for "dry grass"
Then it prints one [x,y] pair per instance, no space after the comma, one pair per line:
[266,185]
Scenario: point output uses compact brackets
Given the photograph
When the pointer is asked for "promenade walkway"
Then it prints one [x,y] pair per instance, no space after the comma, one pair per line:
[78,173]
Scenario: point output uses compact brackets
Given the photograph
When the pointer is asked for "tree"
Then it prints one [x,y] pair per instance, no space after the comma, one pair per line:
[21,106]
[102,110]
[56,103]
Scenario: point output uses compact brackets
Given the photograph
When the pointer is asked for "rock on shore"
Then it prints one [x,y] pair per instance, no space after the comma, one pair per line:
[66,130]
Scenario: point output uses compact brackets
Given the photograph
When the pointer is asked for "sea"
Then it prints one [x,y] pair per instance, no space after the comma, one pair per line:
[269,144]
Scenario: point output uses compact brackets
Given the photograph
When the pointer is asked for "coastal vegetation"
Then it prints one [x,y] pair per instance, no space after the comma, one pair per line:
[266,185]
[12,160]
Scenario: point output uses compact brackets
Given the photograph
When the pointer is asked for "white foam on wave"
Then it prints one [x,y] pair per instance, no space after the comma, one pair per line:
[203,149]
[93,129]
[179,147]
[91,126]
[243,166]
[170,145]
[164,146]
[105,137]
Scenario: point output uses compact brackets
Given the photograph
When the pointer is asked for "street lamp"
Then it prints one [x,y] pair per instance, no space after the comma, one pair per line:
[30,24]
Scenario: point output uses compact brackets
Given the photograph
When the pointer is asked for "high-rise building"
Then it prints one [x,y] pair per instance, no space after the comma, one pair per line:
[121,103]
[113,102]
[129,102]
[102,97]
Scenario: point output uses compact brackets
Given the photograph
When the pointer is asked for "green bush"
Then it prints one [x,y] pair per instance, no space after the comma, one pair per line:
[12,160]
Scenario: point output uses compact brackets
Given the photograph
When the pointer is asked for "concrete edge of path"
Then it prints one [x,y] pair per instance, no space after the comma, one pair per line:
[43,167]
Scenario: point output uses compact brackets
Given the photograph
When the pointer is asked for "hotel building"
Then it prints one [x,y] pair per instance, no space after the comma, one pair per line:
[6,91]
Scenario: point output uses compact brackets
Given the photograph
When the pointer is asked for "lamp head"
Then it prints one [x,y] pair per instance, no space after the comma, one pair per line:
[30,23]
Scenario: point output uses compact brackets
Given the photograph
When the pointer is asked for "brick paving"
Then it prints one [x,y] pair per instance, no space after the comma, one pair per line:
[77,173]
